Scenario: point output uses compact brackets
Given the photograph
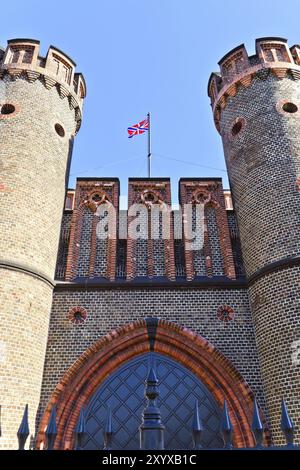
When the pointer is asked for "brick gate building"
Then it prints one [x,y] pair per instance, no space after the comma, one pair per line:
[89,313]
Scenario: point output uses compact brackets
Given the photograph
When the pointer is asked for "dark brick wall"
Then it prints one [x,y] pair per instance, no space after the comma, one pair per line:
[141,257]
[179,258]
[110,308]
[100,258]
[263,161]
[64,239]
[214,242]
[158,252]
[198,255]
[235,243]
[85,243]
[275,301]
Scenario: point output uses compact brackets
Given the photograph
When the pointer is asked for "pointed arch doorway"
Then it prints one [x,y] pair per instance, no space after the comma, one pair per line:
[116,365]
[123,393]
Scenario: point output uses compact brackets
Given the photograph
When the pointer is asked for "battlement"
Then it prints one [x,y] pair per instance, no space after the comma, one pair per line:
[142,186]
[22,58]
[237,69]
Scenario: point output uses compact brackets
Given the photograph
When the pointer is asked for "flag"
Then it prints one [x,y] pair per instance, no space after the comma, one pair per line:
[138,128]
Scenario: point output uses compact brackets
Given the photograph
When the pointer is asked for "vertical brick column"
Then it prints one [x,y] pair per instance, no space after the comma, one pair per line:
[150,257]
[40,112]
[256,109]
[90,193]
[209,192]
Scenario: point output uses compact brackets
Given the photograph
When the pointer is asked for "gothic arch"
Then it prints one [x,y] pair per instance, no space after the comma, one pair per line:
[122,344]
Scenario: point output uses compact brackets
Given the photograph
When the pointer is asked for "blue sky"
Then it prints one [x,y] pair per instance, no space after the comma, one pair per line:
[140,56]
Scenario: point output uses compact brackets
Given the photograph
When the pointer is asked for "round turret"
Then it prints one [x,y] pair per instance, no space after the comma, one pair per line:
[256,107]
[40,113]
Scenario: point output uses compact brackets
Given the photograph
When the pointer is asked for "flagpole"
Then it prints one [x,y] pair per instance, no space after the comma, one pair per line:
[149,146]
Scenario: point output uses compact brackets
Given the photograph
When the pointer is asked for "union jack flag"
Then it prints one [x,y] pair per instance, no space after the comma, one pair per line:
[138,128]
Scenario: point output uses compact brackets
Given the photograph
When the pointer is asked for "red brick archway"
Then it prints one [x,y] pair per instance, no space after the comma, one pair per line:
[191,350]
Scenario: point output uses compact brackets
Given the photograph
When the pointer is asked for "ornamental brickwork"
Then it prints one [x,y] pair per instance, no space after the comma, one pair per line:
[215,258]
[157,246]
[149,256]
[90,255]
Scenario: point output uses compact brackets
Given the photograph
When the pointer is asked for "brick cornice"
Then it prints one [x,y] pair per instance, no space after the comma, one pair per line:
[24,268]
[49,82]
[154,283]
[237,69]
[279,70]
[270,268]
[38,68]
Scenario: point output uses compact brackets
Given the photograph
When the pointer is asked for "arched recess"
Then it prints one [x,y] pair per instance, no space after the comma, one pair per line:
[88,205]
[191,350]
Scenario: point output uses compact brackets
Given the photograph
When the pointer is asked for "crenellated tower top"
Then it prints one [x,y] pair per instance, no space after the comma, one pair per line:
[21,58]
[237,69]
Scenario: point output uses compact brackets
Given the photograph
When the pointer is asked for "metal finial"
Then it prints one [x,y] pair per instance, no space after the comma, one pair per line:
[51,431]
[152,385]
[108,431]
[152,429]
[80,431]
[23,431]
[257,427]
[226,427]
[197,428]
[287,425]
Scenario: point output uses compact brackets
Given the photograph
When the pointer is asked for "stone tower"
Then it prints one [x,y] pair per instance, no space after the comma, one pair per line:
[40,113]
[256,107]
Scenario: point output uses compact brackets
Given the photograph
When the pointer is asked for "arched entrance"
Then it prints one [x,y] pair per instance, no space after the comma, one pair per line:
[179,389]
[98,364]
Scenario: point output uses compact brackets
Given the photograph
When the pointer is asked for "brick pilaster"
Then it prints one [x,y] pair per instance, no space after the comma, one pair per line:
[160,190]
[89,194]
[210,193]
